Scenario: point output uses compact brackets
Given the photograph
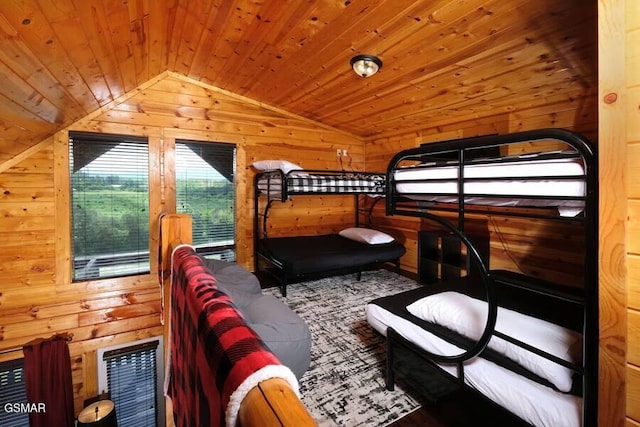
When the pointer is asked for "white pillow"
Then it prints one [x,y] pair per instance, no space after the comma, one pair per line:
[283,165]
[467,316]
[366,235]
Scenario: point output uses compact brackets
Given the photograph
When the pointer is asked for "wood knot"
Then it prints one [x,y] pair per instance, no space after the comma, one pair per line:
[610,98]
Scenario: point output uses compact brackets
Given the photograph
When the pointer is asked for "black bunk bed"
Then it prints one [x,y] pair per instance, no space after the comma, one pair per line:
[290,259]
[435,343]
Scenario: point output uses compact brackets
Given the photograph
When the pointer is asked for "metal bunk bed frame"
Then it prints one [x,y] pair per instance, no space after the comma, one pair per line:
[282,193]
[400,205]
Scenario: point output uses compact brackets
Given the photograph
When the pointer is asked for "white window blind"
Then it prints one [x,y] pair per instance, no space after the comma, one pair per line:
[109,205]
[205,189]
[133,380]
[12,390]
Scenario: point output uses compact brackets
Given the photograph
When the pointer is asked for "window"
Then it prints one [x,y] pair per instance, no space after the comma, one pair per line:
[132,374]
[205,189]
[12,390]
[109,205]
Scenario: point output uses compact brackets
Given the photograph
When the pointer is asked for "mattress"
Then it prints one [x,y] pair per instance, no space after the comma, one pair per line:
[311,254]
[523,182]
[333,183]
[533,402]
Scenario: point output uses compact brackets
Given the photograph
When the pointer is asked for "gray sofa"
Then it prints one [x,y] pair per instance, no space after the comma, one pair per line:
[282,330]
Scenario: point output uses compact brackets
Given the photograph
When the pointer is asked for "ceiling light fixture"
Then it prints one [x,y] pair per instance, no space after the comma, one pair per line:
[366,65]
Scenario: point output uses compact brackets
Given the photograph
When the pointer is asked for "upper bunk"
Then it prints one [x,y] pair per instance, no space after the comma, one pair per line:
[542,173]
[278,180]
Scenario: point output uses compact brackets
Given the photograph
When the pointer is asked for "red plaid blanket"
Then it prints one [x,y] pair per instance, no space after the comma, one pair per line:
[215,358]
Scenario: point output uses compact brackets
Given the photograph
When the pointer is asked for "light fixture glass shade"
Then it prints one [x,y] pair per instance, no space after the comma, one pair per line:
[365,65]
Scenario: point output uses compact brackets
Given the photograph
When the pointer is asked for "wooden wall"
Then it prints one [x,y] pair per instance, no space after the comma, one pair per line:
[631,147]
[619,132]
[613,211]
[37,298]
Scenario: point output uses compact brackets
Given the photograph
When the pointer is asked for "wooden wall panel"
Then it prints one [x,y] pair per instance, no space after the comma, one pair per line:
[26,233]
[633,279]
[632,188]
[633,225]
[619,99]
[633,333]
[632,171]
[633,392]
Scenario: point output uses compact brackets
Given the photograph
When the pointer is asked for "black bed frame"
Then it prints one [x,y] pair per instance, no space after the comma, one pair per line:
[398,204]
[275,269]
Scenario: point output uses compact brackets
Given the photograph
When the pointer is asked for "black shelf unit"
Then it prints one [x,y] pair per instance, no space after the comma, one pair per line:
[441,256]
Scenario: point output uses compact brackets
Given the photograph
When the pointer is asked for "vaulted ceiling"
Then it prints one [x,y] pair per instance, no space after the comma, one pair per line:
[443,59]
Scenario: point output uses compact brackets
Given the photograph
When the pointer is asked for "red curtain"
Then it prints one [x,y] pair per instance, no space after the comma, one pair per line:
[47,370]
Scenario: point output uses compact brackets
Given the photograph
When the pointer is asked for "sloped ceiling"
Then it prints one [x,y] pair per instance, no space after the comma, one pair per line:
[443,59]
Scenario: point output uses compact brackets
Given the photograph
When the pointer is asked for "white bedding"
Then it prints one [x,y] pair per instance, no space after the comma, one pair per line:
[415,183]
[467,316]
[535,403]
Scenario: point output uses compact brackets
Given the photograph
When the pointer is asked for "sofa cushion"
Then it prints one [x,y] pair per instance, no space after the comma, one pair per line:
[232,275]
[282,330]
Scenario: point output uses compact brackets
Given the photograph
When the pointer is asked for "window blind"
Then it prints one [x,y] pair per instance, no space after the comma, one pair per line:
[12,390]
[205,189]
[133,383]
[109,205]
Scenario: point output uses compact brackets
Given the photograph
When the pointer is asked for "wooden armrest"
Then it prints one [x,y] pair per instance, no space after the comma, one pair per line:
[273,403]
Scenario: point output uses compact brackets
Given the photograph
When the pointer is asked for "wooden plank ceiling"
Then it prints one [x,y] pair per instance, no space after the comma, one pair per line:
[444,60]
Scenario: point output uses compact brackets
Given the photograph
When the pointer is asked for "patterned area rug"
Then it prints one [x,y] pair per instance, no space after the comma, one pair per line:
[345,384]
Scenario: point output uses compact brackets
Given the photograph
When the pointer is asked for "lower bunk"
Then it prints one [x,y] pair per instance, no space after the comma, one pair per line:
[531,368]
[296,258]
